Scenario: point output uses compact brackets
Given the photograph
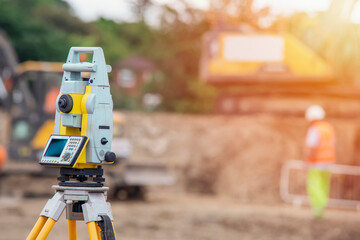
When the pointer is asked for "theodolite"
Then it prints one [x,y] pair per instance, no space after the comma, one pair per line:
[81,143]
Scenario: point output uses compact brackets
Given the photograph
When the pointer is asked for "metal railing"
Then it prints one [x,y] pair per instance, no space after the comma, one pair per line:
[344,190]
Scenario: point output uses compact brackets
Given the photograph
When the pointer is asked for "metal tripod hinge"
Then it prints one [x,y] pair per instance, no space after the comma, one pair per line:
[81,203]
[94,205]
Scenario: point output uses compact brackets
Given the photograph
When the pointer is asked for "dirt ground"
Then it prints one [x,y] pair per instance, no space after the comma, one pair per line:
[170,215]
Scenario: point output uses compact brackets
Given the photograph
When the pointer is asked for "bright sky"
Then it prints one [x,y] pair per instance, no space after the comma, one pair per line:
[120,10]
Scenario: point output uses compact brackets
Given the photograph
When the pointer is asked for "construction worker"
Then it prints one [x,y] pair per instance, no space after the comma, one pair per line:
[320,156]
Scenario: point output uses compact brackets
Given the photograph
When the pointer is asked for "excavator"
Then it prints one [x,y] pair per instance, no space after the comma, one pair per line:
[262,69]
[27,114]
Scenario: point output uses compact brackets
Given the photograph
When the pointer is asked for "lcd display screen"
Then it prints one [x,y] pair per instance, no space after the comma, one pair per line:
[56,147]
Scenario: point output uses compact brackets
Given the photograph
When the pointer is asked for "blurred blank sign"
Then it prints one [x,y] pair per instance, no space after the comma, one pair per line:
[254,48]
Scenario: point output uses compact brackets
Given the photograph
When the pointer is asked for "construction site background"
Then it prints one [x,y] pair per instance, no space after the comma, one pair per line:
[238,156]
[227,188]
[224,137]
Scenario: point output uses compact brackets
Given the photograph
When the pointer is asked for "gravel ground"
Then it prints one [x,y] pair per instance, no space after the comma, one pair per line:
[168,215]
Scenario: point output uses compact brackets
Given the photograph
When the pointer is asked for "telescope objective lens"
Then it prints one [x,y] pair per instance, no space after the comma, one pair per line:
[65,103]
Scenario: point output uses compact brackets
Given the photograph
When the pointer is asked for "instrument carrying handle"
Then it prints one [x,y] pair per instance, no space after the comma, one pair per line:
[73,63]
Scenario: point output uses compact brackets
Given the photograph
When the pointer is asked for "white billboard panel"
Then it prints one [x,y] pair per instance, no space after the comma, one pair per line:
[254,48]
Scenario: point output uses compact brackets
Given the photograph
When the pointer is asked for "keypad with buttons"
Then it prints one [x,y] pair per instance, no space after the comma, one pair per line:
[69,153]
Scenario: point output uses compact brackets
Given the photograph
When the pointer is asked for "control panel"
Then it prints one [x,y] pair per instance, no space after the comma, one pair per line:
[63,150]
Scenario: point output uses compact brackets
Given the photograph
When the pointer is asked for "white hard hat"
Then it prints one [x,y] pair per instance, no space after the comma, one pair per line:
[315,112]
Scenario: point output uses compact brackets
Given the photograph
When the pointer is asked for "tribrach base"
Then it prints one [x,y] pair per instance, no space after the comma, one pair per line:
[87,177]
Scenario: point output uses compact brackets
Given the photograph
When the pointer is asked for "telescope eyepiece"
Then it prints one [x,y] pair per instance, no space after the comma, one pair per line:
[65,103]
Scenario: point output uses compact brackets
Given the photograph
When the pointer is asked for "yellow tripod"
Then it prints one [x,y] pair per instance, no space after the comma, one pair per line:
[81,203]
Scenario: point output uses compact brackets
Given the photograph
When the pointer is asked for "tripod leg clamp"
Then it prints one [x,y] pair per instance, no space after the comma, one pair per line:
[54,207]
[106,226]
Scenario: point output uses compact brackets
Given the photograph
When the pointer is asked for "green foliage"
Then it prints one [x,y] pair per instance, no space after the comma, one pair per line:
[32,38]
[179,60]
[120,40]
[46,29]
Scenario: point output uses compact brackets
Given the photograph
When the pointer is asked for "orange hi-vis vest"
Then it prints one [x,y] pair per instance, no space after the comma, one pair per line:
[324,152]
[3,156]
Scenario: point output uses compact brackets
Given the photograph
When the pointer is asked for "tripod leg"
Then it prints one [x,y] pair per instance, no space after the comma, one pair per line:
[98,230]
[72,229]
[97,213]
[46,229]
[37,228]
[112,223]
[107,228]
[92,230]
